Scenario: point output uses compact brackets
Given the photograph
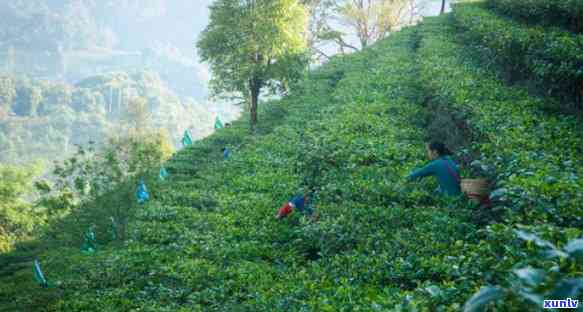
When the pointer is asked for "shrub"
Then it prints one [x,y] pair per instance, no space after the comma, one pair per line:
[551,57]
[564,13]
[18,218]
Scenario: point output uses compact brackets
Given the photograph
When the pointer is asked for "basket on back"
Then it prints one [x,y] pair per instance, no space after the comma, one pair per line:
[476,189]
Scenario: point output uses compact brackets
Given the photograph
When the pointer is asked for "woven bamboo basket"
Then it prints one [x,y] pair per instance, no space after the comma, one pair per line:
[476,189]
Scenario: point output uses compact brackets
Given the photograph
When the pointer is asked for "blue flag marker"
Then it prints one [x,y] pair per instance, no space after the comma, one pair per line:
[142,193]
[163,174]
[186,139]
[39,276]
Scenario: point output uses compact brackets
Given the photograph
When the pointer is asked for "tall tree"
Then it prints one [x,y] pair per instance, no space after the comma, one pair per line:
[372,20]
[138,116]
[442,7]
[248,41]
[338,21]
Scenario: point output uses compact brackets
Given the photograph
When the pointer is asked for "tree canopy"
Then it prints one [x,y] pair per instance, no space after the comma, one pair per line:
[248,42]
[346,22]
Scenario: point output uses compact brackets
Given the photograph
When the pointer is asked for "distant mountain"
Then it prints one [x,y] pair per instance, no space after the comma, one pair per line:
[68,69]
[44,120]
[69,40]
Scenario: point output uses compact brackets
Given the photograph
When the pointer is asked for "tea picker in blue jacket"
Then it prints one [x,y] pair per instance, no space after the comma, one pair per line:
[442,167]
[304,203]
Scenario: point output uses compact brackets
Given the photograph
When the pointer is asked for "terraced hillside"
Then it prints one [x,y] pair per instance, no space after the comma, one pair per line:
[208,240]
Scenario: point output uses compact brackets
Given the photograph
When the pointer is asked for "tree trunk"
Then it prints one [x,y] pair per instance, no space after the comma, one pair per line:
[254,86]
[363,41]
[110,98]
[442,7]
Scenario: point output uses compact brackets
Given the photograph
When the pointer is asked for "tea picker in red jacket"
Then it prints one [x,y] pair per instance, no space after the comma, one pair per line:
[301,202]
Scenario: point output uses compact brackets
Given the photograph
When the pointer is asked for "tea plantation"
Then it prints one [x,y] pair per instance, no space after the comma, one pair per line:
[355,128]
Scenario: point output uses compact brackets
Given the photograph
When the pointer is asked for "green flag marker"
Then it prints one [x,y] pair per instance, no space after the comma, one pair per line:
[89,247]
[163,174]
[218,123]
[186,139]
[113,229]
[39,276]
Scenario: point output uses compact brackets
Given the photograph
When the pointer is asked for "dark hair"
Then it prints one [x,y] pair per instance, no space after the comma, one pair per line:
[440,148]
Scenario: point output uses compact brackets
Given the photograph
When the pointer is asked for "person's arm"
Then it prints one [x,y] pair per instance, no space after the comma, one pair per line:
[423,172]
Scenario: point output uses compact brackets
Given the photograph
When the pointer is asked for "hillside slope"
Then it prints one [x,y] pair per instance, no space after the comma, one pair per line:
[208,240]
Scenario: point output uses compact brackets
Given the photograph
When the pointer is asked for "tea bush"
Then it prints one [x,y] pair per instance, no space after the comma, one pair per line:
[533,156]
[564,13]
[551,57]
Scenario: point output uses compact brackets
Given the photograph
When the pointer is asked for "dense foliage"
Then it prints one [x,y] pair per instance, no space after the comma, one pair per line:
[564,13]
[87,179]
[33,113]
[17,217]
[552,58]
